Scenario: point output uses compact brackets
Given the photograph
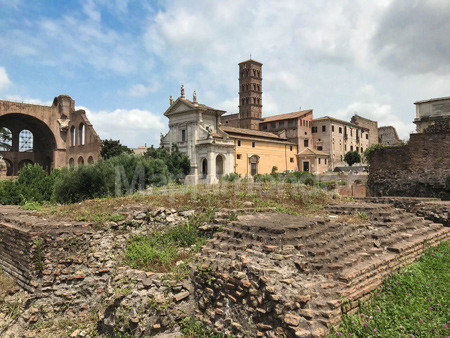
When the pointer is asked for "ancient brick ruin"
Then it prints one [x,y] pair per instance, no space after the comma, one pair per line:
[264,274]
[51,136]
[419,168]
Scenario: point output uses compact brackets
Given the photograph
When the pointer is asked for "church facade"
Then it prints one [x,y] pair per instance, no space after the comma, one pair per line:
[248,144]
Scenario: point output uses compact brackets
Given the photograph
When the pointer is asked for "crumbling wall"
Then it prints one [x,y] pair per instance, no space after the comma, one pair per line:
[419,168]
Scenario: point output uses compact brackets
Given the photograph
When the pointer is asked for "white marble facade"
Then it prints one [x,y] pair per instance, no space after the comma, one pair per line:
[195,128]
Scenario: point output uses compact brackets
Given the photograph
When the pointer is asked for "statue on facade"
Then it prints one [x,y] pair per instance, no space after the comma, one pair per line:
[182,91]
[171,100]
[194,98]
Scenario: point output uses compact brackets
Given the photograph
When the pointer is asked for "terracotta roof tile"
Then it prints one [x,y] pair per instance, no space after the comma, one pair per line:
[251,132]
[287,116]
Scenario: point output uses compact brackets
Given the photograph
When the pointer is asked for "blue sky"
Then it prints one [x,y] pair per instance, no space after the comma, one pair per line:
[121,60]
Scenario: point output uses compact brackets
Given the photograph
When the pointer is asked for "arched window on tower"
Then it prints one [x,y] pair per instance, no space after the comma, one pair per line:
[254,72]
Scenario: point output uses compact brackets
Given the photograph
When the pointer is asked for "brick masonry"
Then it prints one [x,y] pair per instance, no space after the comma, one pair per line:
[419,168]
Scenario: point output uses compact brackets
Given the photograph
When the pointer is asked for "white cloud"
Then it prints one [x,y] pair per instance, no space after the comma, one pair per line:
[18,98]
[4,79]
[132,127]
[140,90]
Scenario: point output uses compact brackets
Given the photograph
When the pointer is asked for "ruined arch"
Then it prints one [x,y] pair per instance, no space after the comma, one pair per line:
[32,141]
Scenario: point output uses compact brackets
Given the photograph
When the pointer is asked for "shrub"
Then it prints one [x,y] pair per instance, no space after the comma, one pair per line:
[368,153]
[232,177]
[111,148]
[177,162]
[118,175]
[9,192]
[352,157]
[35,184]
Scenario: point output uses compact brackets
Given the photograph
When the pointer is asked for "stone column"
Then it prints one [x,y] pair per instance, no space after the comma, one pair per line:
[211,177]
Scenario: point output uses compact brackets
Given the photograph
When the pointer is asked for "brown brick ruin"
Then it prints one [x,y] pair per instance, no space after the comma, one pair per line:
[52,136]
[419,168]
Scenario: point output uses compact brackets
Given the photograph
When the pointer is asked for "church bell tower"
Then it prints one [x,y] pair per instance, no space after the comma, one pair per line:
[250,94]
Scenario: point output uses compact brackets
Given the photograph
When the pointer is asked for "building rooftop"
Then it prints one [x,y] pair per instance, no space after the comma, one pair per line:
[310,151]
[432,100]
[286,116]
[251,60]
[251,132]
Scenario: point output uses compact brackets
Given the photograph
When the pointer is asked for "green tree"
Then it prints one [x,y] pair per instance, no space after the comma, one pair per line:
[368,153]
[177,162]
[5,139]
[111,148]
[352,157]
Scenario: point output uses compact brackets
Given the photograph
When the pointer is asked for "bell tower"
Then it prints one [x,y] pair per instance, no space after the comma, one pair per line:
[250,94]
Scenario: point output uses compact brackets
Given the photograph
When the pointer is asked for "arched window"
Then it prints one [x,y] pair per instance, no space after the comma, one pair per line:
[5,139]
[204,167]
[91,160]
[72,136]
[71,162]
[81,134]
[80,160]
[25,141]
[219,165]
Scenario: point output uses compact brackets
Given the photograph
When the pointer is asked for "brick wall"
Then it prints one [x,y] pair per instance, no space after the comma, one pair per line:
[419,168]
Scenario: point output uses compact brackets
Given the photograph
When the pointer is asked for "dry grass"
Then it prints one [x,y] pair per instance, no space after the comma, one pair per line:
[286,197]
[7,284]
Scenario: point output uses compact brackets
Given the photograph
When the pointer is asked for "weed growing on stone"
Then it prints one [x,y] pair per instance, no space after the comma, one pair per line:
[38,254]
[160,251]
[362,215]
[413,302]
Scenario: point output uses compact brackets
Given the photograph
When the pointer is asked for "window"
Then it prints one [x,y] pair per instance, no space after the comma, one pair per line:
[325,161]
[290,148]
[273,125]
[357,148]
[305,143]
[345,147]
[319,148]
[314,129]
[183,135]
[292,160]
[281,124]
[324,128]
[351,148]
[264,127]
[332,128]
[290,123]
[340,130]
[239,143]
[367,136]
[362,149]
[319,160]
[253,144]
[238,156]
[341,157]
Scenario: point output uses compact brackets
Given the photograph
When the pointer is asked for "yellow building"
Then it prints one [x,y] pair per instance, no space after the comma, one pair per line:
[257,152]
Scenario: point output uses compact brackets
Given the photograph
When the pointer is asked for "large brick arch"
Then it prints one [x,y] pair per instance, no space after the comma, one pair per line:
[51,127]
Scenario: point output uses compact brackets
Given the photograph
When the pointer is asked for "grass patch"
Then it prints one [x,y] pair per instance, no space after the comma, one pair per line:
[289,196]
[413,302]
[160,251]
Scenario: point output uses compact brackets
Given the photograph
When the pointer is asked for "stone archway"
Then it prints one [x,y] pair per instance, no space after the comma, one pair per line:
[32,142]
[219,165]
[253,163]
